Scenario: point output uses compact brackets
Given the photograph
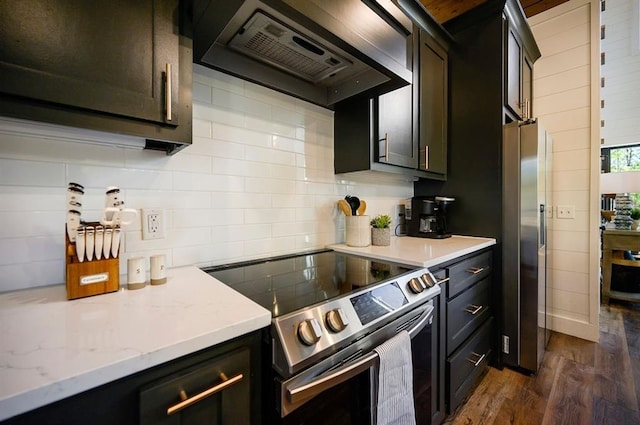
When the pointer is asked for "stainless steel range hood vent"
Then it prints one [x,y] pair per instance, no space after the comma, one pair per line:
[310,49]
[264,38]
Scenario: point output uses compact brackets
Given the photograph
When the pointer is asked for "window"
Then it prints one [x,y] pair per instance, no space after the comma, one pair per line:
[620,159]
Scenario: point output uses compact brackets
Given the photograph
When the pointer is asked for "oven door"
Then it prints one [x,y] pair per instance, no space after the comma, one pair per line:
[342,389]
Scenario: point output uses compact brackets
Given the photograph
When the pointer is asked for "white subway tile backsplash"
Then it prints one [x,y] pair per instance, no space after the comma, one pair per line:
[42,248]
[270,215]
[240,135]
[201,93]
[257,181]
[201,128]
[128,178]
[17,224]
[265,185]
[21,198]
[270,155]
[240,200]
[207,182]
[30,274]
[31,173]
[160,161]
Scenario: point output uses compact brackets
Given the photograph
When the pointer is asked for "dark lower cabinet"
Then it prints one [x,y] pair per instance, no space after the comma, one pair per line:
[218,385]
[119,66]
[470,326]
[212,392]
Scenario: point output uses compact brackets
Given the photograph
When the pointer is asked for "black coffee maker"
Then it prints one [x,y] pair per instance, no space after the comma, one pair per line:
[426,216]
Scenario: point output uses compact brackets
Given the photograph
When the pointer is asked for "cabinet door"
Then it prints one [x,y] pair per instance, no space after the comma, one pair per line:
[527,88]
[433,107]
[514,72]
[110,57]
[396,141]
[214,392]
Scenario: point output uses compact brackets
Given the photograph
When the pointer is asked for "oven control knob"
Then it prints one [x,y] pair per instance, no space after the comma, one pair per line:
[309,331]
[429,280]
[415,285]
[336,320]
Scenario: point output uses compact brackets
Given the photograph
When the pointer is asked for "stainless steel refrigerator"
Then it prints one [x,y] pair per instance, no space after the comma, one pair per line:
[526,193]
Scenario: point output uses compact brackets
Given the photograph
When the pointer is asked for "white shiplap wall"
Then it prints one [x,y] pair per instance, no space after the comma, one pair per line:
[621,72]
[566,100]
[258,181]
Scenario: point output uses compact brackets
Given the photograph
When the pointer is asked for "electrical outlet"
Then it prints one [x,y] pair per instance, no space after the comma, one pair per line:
[566,211]
[505,344]
[152,224]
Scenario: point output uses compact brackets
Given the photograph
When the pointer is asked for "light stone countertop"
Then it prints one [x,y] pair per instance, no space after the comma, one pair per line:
[52,348]
[421,252]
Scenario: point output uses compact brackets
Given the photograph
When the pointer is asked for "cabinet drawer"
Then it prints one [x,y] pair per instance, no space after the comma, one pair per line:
[466,312]
[219,390]
[465,273]
[467,365]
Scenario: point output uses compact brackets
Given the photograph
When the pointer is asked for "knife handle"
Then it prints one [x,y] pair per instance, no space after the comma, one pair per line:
[89,240]
[80,244]
[106,244]
[115,242]
[98,241]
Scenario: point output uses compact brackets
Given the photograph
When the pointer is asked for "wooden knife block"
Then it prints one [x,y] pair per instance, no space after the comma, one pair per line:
[89,277]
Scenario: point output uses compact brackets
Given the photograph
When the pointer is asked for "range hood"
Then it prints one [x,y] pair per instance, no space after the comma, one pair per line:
[322,51]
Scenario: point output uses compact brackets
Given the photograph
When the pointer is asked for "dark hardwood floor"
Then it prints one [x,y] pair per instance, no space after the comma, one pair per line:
[579,382]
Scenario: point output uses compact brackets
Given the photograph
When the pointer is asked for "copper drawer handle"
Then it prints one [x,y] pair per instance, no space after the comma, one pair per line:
[167,97]
[475,270]
[441,281]
[476,362]
[473,309]
[186,402]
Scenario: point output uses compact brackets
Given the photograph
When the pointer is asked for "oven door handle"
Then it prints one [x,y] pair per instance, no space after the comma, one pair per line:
[344,373]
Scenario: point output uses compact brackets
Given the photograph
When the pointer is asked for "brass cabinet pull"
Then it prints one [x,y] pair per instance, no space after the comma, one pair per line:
[441,281]
[186,402]
[425,165]
[386,148]
[167,97]
[476,362]
[473,309]
[475,270]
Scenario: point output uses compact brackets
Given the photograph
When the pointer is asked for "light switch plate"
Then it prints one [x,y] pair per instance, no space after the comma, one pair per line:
[566,211]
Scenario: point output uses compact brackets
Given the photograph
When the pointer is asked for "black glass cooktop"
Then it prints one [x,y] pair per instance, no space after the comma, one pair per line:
[288,283]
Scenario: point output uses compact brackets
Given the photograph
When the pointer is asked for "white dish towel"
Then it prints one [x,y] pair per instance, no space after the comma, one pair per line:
[395,382]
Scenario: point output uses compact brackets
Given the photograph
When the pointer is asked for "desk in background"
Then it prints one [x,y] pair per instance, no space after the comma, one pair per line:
[618,240]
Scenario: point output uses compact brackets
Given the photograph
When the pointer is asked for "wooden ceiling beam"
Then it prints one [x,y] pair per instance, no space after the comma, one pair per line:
[445,10]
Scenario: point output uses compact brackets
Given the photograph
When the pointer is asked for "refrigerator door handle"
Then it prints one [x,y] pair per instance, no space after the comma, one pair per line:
[543,232]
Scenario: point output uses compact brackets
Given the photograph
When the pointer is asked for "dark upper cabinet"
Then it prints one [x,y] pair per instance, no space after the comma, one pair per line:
[119,66]
[403,132]
[396,137]
[432,107]
[519,67]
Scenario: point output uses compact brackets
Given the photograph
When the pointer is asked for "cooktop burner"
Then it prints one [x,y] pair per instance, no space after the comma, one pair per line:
[289,283]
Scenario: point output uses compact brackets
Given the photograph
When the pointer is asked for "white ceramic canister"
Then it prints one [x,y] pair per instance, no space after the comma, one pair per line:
[358,230]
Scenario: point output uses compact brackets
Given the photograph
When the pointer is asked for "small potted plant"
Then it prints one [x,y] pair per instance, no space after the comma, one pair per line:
[380,230]
[635,216]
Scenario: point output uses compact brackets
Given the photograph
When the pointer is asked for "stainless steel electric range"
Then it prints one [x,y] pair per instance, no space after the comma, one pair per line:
[329,311]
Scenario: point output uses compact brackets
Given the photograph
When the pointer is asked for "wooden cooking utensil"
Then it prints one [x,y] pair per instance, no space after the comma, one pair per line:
[362,208]
[344,207]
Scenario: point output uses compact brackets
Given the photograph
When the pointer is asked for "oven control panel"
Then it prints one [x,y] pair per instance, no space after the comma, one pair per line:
[306,336]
